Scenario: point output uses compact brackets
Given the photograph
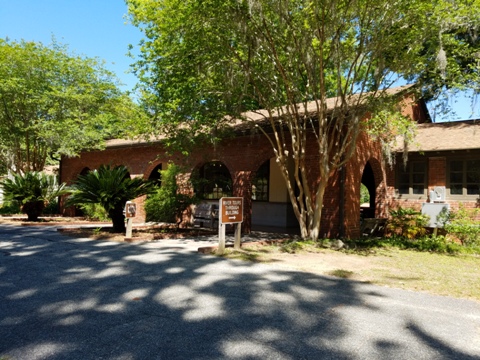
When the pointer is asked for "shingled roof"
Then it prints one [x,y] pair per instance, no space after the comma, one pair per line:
[260,116]
[455,135]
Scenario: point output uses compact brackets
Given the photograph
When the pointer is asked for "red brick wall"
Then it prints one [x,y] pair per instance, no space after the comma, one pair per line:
[437,176]
[242,156]
[437,172]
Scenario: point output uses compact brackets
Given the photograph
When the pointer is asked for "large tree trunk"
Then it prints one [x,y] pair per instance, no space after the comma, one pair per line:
[317,210]
[33,209]
[118,220]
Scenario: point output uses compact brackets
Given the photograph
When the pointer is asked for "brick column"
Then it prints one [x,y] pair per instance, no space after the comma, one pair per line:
[437,171]
[242,187]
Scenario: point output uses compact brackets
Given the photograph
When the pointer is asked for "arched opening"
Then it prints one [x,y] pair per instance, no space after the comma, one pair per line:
[85,171]
[213,181]
[367,193]
[155,175]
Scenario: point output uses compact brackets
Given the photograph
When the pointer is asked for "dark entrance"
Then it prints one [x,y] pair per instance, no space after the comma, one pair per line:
[367,209]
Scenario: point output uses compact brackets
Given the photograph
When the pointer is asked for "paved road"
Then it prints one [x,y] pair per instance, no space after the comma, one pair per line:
[62,298]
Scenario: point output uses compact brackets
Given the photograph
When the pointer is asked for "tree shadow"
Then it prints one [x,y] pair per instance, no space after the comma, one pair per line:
[76,298]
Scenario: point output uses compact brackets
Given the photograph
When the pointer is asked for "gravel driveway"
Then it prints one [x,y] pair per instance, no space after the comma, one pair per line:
[64,298]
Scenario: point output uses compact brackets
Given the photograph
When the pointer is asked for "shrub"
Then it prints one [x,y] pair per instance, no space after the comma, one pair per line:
[94,212]
[464,225]
[110,187]
[167,204]
[51,208]
[9,209]
[407,223]
[32,191]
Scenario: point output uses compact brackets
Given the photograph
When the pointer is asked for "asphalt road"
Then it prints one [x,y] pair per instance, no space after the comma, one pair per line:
[62,298]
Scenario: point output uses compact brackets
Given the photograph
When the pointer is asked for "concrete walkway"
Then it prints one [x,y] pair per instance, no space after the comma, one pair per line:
[64,298]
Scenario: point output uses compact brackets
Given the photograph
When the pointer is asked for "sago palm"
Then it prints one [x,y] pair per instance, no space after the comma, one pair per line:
[111,187]
[32,191]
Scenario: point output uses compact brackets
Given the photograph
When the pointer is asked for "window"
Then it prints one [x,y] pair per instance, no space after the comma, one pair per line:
[214,181]
[412,178]
[464,177]
[260,183]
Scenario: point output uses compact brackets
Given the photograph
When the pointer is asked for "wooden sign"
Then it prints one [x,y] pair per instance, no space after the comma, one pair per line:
[231,210]
[130,209]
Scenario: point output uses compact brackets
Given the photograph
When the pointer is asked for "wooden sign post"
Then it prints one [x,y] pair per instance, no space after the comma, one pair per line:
[130,213]
[231,212]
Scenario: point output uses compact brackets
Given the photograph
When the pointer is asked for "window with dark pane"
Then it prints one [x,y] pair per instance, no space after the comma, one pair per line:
[456,177]
[403,180]
[215,181]
[411,179]
[261,182]
[418,177]
[472,177]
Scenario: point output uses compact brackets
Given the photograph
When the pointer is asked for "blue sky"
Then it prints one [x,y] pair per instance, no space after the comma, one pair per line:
[94,28]
[97,28]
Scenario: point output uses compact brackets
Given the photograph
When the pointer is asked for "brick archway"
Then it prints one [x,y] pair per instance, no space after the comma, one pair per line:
[373,178]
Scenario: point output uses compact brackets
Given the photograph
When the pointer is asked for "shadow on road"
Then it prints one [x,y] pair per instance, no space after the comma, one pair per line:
[64,298]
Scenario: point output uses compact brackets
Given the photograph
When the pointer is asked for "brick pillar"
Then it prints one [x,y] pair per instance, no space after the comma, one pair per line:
[242,187]
[437,171]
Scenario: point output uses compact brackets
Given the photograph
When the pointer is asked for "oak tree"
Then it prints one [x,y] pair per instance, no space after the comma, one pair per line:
[55,103]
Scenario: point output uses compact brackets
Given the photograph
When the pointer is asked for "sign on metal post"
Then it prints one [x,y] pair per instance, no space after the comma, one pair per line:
[231,212]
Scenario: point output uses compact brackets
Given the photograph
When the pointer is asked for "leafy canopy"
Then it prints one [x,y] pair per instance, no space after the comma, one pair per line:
[204,62]
[55,103]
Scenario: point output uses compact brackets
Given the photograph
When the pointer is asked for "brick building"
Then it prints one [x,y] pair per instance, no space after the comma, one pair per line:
[443,157]
[245,166]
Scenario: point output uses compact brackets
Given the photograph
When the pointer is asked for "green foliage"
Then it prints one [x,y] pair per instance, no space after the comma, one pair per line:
[110,187]
[32,192]
[464,225]
[407,223]
[204,62]
[439,244]
[94,212]
[55,103]
[167,204]
[52,208]
[294,246]
[364,194]
[9,209]
[426,243]
[388,126]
